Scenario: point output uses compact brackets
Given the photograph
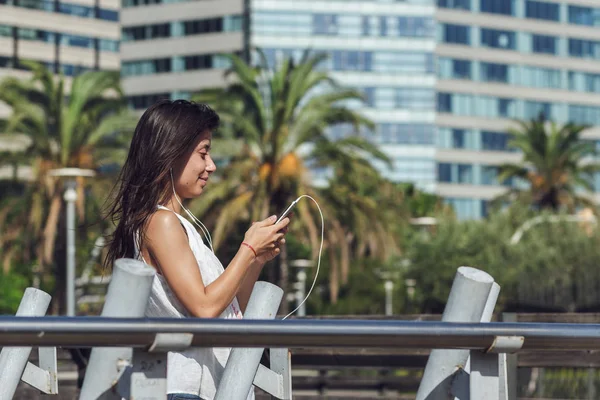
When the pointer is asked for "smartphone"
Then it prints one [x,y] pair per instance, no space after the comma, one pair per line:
[287,211]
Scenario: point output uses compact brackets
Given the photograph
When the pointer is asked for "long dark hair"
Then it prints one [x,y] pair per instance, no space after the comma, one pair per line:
[166,132]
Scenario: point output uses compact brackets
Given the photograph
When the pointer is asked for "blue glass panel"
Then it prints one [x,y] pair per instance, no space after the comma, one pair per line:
[444,102]
[460,34]
[494,141]
[505,7]
[584,48]
[533,109]
[458,4]
[584,115]
[108,15]
[542,10]
[491,72]
[444,172]
[584,15]
[325,24]
[498,39]
[543,44]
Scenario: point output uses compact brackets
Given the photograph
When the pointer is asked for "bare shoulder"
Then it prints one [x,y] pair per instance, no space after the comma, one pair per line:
[164,225]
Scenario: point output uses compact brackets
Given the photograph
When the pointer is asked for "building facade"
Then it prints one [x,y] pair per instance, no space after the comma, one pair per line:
[171,49]
[443,79]
[383,49]
[504,60]
[69,36]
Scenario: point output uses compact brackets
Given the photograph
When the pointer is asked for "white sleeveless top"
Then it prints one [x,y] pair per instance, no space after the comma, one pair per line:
[197,370]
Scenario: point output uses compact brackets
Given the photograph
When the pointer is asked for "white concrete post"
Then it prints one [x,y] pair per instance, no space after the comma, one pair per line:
[127,296]
[466,303]
[14,359]
[243,363]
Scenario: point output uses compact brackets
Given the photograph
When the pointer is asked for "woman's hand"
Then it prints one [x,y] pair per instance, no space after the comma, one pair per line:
[265,237]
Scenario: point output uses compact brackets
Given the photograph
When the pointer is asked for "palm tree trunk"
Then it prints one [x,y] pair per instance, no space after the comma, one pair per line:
[284,278]
[50,228]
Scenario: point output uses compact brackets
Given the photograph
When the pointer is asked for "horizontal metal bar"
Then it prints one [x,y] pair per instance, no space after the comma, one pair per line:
[98,331]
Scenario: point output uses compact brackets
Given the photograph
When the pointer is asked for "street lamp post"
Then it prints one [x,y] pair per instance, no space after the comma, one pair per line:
[389,287]
[70,197]
[300,285]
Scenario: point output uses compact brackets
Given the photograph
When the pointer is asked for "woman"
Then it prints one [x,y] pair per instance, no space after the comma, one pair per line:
[169,160]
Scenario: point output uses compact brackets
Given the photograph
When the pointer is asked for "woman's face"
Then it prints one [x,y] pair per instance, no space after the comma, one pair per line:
[191,175]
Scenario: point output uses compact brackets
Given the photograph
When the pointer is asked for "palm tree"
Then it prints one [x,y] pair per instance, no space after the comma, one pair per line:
[556,164]
[281,118]
[77,128]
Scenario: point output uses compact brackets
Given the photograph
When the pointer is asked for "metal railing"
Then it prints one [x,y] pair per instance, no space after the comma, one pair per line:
[129,357]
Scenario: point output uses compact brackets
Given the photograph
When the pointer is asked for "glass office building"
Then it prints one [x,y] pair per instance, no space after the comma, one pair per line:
[69,36]
[171,49]
[443,79]
[383,49]
[503,60]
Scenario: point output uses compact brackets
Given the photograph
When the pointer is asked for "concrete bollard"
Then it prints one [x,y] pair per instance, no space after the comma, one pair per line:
[466,303]
[14,359]
[126,297]
[243,363]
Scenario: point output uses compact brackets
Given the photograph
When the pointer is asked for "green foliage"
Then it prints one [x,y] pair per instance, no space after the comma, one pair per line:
[554,266]
[12,286]
[553,165]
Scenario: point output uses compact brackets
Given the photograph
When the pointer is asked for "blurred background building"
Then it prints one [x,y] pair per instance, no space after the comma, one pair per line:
[67,36]
[505,60]
[443,79]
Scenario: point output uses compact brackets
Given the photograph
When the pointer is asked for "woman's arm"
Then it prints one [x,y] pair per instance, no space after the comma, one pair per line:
[170,251]
[243,295]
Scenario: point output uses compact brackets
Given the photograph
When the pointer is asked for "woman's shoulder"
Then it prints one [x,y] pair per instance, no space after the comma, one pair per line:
[164,223]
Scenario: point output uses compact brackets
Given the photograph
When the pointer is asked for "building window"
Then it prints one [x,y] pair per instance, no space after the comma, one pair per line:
[533,109]
[541,77]
[6,31]
[494,141]
[411,134]
[498,39]
[543,44]
[449,68]
[584,82]
[465,173]
[584,15]
[108,15]
[505,7]
[444,102]
[542,10]
[584,48]
[414,27]
[325,24]
[202,26]
[584,115]
[465,208]
[146,67]
[366,26]
[457,4]
[458,138]
[489,175]
[491,72]
[506,108]
[36,34]
[108,45]
[444,172]
[460,34]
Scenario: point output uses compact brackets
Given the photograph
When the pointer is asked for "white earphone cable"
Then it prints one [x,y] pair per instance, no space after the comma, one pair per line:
[320,251]
[206,233]
[198,223]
